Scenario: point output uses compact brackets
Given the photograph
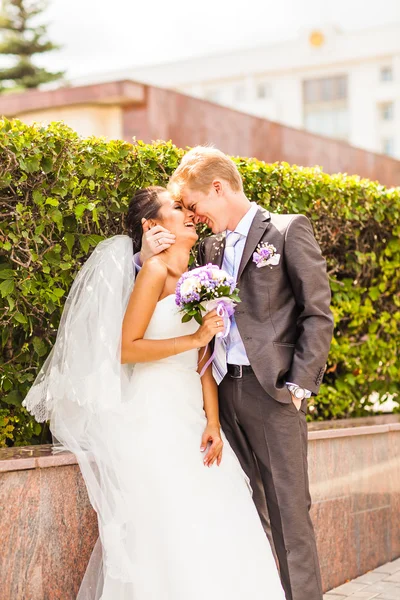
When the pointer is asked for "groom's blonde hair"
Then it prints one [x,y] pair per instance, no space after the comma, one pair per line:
[198,169]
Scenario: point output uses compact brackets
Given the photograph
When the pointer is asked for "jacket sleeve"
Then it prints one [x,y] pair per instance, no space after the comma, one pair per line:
[307,273]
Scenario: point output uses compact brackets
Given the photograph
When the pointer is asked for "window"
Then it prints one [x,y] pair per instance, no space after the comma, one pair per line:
[325,106]
[327,89]
[387,111]
[330,122]
[386,74]
[263,90]
[240,93]
[388,146]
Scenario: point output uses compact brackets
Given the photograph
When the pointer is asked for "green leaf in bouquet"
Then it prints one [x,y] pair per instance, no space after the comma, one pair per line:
[225,290]
[198,318]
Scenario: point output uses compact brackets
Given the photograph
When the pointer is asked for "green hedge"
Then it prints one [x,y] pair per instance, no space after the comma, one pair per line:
[60,195]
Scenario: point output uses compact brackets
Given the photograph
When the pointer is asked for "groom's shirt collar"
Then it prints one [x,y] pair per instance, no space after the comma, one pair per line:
[243,227]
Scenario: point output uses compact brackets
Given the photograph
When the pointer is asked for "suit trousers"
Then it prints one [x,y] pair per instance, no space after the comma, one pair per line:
[270,441]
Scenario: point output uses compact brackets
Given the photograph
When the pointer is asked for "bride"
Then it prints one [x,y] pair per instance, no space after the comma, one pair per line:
[122,390]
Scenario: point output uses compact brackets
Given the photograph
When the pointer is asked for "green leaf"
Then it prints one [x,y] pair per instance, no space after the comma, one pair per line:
[40,346]
[11,303]
[20,318]
[38,197]
[47,164]
[4,336]
[198,318]
[6,288]
[79,210]
[6,273]
[95,239]
[84,243]
[186,318]
[52,201]
[69,240]
[14,398]
[374,293]
[31,164]
[57,292]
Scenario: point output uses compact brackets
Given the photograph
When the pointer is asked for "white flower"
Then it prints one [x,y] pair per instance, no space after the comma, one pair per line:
[189,286]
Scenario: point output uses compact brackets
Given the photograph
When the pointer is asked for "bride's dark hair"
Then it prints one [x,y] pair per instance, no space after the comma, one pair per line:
[145,204]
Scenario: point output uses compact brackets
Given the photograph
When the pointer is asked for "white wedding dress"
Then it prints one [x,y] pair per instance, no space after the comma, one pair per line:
[190,532]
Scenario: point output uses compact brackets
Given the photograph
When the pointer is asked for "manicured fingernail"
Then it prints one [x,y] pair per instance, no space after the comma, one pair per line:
[202,449]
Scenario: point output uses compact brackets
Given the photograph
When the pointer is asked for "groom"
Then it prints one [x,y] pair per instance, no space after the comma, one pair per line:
[274,357]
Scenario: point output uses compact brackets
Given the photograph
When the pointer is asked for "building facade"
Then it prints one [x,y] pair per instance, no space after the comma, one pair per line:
[126,110]
[344,85]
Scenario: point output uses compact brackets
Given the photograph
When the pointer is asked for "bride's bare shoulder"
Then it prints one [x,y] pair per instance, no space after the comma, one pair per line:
[155,268]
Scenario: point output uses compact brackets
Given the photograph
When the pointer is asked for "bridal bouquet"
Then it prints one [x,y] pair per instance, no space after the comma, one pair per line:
[204,289]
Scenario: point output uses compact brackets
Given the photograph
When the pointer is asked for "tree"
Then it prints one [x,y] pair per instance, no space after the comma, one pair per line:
[22,40]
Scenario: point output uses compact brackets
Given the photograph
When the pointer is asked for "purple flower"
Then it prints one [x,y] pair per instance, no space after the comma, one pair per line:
[202,285]
[266,254]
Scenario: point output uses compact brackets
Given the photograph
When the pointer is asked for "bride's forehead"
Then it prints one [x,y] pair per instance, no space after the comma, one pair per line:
[166,198]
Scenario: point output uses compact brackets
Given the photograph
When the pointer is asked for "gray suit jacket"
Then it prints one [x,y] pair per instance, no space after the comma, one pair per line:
[284,317]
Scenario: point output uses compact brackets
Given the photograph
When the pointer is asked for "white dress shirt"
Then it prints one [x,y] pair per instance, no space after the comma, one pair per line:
[235,350]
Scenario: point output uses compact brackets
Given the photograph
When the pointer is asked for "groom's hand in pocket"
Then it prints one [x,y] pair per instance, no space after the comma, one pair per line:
[212,436]
[296,402]
[154,240]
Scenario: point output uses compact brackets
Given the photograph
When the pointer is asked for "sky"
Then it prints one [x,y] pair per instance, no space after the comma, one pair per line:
[103,35]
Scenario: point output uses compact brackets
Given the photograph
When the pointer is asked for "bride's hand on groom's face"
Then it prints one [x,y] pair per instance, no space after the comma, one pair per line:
[154,240]
[212,435]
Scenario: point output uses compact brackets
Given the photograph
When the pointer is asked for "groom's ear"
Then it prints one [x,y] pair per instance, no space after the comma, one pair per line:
[217,185]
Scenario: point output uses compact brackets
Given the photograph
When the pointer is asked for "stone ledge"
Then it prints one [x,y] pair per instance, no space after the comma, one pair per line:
[41,457]
[352,431]
[33,457]
[124,92]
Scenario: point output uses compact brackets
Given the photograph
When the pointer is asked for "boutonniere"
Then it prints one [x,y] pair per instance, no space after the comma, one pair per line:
[266,254]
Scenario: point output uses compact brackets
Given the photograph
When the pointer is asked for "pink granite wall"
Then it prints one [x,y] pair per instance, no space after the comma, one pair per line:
[48,527]
[355,486]
[189,121]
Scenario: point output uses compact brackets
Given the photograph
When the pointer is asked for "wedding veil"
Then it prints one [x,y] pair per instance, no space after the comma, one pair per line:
[82,388]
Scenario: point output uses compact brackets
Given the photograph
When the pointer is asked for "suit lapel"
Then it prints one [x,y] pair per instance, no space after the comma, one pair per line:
[260,224]
[215,250]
